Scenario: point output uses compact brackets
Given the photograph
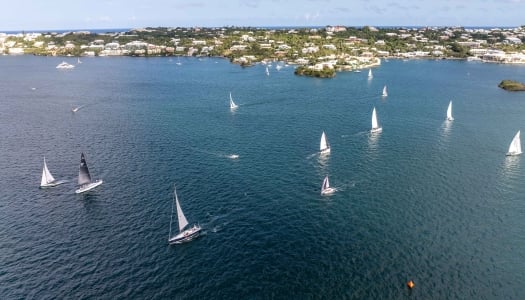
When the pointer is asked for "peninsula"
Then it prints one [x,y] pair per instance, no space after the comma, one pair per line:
[320,49]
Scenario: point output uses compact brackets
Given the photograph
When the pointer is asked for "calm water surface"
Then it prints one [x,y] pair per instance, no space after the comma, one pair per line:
[426,200]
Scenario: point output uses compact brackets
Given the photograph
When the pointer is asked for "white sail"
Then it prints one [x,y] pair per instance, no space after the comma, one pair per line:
[46,175]
[324,147]
[375,125]
[326,183]
[232,104]
[374,119]
[180,215]
[515,145]
[449,112]
[385,92]
[267,72]
[370,73]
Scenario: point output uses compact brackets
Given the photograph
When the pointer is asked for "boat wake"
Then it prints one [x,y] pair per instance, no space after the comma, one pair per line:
[75,109]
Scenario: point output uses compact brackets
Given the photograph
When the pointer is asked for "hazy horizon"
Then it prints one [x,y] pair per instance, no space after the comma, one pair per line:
[67,15]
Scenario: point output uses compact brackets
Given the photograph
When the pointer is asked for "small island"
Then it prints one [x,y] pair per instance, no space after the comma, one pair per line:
[322,72]
[511,85]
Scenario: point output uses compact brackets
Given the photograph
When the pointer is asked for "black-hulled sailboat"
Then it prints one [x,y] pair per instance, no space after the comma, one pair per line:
[183,235]
[84,179]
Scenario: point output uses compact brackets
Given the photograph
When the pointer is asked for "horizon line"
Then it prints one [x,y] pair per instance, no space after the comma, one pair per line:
[118,29]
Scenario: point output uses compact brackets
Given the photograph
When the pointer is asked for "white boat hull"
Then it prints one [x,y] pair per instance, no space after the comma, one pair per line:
[186,235]
[450,119]
[513,153]
[88,186]
[53,183]
[325,151]
[376,130]
[328,191]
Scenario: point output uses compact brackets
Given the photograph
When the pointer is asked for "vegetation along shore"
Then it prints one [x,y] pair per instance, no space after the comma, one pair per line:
[319,51]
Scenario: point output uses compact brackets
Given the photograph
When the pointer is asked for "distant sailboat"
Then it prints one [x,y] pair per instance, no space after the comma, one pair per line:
[183,235]
[375,126]
[78,60]
[370,76]
[267,72]
[47,179]
[326,189]
[178,61]
[384,92]
[515,145]
[232,104]
[324,147]
[84,178]
[449,112]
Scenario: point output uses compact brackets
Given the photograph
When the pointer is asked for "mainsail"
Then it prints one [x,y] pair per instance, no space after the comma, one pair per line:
[323,144]
[515,145]
[374,119]
[449,112]
[83,173]
[326,183]
[46,175]
[180,216]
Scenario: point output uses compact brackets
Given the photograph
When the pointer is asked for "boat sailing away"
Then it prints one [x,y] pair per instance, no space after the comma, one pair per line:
[47,179]
[183,235]
[375,125]
[515,145]
[84,179]
[324,147]
[449,112]
[370,76]
[326,189]
[384,92]
[232,104]
[267,72]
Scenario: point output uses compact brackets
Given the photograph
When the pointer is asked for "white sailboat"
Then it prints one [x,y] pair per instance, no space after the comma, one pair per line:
[384,92]
[232,104]
[267,72]
[78,60]
[449,112]
[515,145]
[325,188]
[183,235]
[375,125]
[324,147]
[47,179]
[370,76]
[84,178]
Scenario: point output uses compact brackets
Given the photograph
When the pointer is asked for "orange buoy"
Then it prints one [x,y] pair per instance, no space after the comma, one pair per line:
[410,284]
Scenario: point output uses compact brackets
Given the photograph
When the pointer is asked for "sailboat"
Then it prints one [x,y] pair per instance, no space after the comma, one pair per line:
[375,126]
[47,179]
[78,60]
[232,104]
[324,147]
[370,76]
[449,112]
[515,145]
[183,235]
[384,92]
[84,179]
[326,189]
[267,72]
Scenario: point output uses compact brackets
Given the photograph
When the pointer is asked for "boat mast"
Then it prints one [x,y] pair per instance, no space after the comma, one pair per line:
[171,219]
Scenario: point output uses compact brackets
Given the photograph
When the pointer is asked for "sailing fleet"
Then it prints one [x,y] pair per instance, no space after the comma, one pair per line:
[185,233]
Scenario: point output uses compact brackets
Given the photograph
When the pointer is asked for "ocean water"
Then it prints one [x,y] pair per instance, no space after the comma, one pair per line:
[426,200]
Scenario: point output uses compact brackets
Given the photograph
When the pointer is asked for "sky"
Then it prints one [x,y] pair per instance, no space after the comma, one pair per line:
[106,14]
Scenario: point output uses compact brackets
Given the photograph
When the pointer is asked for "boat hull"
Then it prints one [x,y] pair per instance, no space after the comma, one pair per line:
[450,119]
[328,191]
[53,183]
[513,153]
[376,130]
[325,151]
[186,235]
[89,186]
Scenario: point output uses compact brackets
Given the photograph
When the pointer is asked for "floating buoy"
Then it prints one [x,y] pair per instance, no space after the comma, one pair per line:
[410,284]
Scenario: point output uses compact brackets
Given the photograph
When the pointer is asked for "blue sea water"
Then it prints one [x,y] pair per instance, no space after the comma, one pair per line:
[426,200]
